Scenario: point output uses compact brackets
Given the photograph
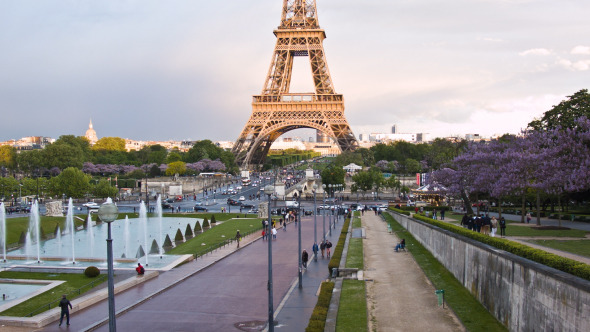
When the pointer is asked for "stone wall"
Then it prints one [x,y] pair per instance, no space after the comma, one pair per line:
[54,209]
[523,295]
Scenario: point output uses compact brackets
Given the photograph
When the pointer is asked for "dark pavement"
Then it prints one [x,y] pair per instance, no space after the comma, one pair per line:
[229,292]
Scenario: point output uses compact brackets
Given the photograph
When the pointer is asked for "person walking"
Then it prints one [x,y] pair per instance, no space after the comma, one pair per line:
[494,225]
[65,306]
[304,258]
[323,247]
[442,214]
[274,233]
[238,238]
[328,246]
[528,217]
[315,250]
[502,227]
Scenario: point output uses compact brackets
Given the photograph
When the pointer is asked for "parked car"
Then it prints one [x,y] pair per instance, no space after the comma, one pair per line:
[199,208]
[91,205]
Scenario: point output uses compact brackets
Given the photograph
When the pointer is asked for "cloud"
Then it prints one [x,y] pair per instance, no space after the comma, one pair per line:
[581,50]
[489,39]
[536,51]
[581,65]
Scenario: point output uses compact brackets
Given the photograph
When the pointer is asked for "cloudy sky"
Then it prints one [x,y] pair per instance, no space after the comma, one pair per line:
[186,69]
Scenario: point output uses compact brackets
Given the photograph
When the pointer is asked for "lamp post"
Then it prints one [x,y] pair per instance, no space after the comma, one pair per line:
[330,211]
[324,213]
[299,189]
[269,190]
[108,212]
[315,222]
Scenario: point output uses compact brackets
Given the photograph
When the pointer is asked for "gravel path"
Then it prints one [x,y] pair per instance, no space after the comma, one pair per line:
[399,297]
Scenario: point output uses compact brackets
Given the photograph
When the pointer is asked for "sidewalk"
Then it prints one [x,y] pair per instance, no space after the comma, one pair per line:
[399,296]
[294,312]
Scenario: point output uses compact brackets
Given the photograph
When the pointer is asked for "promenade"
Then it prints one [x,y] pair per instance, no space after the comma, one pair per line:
[223,291]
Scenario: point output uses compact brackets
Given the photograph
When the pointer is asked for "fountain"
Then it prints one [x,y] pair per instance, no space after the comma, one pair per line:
[71,228]
[126,239]
[3,229]
[143,221]
[159,217]
[35,226]
[58,239]
[90,233]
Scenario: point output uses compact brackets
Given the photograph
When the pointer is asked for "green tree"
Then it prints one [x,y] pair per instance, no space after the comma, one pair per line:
[177,167]
[30,161]
[8,186]
[349,157]
[67,151]
[104,189]
[412,166]
[363,181]
[565,113]
[110,144]
[72,182]
[8,157]
[173,156]
[333,174]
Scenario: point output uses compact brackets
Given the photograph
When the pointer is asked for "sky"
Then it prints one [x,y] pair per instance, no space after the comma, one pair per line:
[187,69]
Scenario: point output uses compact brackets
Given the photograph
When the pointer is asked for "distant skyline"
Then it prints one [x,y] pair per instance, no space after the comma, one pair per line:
[179,69]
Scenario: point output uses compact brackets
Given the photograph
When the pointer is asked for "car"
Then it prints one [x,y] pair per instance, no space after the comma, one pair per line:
[247,205]
[233,202]
[91,205]
[242,198]
[199,203]
[239,188]
[166,205]
[253,210]
[255,184]
[198,208]
[170,200]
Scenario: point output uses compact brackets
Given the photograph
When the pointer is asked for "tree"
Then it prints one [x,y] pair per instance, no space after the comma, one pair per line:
[333,174]
[63,156]
[412,166]
[363,181]
[565,114]
[104,189]
[177,167]
[72,182]
[110,144]
[8,157]
[173,156]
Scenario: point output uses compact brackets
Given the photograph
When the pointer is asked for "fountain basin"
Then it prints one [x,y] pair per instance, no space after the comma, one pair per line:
[15,291]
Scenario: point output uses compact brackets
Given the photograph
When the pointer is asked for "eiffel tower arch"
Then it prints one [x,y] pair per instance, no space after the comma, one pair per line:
[276,110]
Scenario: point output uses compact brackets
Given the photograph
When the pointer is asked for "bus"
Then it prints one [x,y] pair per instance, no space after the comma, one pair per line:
[246,182]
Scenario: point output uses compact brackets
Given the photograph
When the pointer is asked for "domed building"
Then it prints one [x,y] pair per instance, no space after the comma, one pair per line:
[91,134]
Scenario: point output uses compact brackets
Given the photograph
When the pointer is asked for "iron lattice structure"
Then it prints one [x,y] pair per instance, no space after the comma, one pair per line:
[276,111]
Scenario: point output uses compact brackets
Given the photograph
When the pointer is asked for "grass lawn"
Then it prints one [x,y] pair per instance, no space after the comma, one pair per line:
[356,222]
[512,230]
[16,226]
[578,247]
[472,314]
[216,235]
[72,284]
[352,313]
[354,257]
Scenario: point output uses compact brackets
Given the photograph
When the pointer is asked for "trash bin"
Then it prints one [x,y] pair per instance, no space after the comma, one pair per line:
[440,294]
[572,217]
[334,273]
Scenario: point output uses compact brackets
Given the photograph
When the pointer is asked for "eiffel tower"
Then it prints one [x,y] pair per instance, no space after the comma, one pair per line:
[276,111]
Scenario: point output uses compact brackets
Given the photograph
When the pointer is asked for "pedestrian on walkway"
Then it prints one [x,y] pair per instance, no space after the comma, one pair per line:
[315,250]
[328,246]
[323,247]
[274,233]
[494,225]
[502,227]
[238,238]
[442,214]
[65,306]
[304,258]
[528,217]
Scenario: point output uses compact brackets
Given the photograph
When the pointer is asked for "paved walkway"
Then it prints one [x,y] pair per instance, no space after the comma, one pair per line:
[221,291]
[400,297]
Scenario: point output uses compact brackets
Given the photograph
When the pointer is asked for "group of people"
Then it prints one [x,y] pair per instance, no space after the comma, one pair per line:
[325,247]
[484,224]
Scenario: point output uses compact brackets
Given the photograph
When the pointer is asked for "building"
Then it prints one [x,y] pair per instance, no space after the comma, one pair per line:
[91,134]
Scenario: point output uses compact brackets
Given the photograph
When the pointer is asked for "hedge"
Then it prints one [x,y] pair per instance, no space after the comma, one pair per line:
[317,321]
[337,254]
[407,213]
[425,208]
[564,264]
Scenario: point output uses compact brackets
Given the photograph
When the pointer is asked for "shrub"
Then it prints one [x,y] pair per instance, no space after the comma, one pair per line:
[92,272]
[205,223]
[198,228]
[557,262]
[404,212]
[317,321]
[337,254]
[178,237]
[213,220]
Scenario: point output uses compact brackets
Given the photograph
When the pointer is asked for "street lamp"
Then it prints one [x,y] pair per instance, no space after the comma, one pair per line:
[330,211]
[299,189]
[324,213]
[269,190]
[315,223]
[108,212]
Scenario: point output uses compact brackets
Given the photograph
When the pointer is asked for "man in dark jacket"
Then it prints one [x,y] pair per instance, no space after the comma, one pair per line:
[304,258]
[65,311]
